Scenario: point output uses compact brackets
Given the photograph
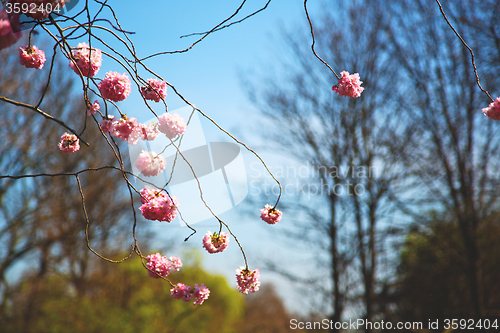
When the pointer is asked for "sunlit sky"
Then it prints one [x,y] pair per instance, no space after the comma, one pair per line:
[209,76]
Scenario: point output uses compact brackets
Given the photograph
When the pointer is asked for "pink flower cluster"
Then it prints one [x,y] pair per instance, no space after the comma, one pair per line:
[9,29]
[31,57]
[155,90]
[107,124]
[493,110]
[69,143]
[88,62]
[248,281]
[121,128]
[171,125]
[128,129]
[349,85]
[181,291]
[150,164]
[270,214]
[42,11]
[158,266]
[124,127]
[144,132]
[158,205]
[115,86]
[215,243]
[176,263]
[198,295]
[94,108]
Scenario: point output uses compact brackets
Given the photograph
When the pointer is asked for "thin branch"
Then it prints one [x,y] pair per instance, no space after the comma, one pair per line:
[230,24]
[314,41]
[46,115]
[468,48]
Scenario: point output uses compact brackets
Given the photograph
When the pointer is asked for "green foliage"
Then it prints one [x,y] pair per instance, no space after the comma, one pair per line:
[434,272]
[122,298]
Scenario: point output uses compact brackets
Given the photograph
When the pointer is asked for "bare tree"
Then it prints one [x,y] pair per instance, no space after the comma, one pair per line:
[453,158]
[265,313]
[350,143]
[419,124]
[41,219]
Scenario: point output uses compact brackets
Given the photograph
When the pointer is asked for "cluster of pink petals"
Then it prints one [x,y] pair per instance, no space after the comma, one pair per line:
[181,291]
[107,124]
[198,295]
[124,127]
[270,215]
[31,57]
[349,85]
[128,129]
[88,62]
[493,110]
[9,29]
[42,11]
[215,243]
[150,164]
[159,206]
[115,86]
[144,132]
[176,263]
[248,281]
[171,125]
[94,108]
[159,265]
[155,90]
[69,143]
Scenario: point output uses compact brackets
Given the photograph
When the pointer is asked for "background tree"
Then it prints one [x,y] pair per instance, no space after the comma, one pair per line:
[42,224]
[418,122]
[434,283]
[349,146]
[121,298]
[265,313]
[453,160]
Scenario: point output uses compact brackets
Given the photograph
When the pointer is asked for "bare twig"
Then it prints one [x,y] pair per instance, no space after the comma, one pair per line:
[468,48]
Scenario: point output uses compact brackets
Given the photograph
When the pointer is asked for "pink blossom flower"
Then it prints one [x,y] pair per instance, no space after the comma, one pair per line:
[9,29]
[171,125]
[94,108]
[181,291]
[108,125]
[270,215]
[150,163]
[155,90]
[88,62]
[115,86]
[200,294]
[31,57]
[124,127]
[214,243]
[493,110]
[157,264]
[144,132]
[349,85]
[159,206]
[176,263]
[248,281]
[42,11]
[69,143]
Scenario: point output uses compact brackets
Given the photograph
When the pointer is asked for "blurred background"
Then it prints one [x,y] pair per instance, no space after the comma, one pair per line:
[391,200]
